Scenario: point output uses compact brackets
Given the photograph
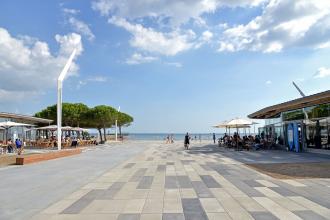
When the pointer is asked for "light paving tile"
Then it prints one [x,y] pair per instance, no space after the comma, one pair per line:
[172,206]
[267,183]
[276,209]
[250,204]
[211,205]
[153,206]
[172,194]
[84,217]
[134,206]
[268,192]
[151,217]
[188,193]
[294,183]
[77,194]
[321,210]
[140,194]
[218,216]
[288,204]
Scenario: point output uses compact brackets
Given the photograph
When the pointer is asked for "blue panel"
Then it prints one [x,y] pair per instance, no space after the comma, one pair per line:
[296,137]
[290,136]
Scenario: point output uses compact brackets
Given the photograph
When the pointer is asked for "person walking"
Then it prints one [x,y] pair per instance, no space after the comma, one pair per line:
[214,138]
[186,141]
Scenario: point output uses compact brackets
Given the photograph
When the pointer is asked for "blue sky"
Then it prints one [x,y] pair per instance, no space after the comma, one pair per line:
[175,66]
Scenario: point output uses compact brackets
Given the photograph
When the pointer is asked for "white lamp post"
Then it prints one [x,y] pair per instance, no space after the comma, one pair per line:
[59,98]
[116,124]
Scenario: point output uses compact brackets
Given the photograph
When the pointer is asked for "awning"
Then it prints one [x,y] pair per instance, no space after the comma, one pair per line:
[307,101]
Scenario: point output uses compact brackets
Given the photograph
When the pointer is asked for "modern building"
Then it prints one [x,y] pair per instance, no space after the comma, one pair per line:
[298,124]
[19,132]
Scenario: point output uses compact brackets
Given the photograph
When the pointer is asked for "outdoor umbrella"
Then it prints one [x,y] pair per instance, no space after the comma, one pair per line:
[9,124]
[239,123]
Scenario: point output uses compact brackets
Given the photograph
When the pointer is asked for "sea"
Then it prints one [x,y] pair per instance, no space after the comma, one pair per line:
[176,136]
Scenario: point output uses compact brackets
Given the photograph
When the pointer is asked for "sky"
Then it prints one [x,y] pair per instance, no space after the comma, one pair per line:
[174,65]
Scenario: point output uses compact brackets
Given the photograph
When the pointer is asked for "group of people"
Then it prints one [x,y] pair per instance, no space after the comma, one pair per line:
[169,139]
[247,141]
[12,147]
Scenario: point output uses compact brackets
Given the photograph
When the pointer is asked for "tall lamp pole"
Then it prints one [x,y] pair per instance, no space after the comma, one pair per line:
[59,98]
[117,124]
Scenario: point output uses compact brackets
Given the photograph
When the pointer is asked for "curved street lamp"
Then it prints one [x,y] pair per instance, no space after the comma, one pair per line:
[59,98]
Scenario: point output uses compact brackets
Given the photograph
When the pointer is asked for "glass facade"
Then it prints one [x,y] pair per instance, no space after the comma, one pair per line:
[313,126]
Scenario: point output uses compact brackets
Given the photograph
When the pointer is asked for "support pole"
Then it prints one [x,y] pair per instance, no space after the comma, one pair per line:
[59,99]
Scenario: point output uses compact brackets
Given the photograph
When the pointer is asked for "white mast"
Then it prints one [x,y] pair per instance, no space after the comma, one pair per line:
[59,98]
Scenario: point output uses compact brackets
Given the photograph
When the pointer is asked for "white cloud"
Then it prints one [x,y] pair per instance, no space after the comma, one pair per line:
[283,24]
[150,40]
[178,12]
[138,58]
[97,79]
[27,66]
[322,72]
[78,25]
[268,82]
[81,28]
[176,64]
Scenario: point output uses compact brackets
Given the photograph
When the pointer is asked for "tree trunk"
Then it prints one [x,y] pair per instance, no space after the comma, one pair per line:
[120,131]
[99,129]
[105,134]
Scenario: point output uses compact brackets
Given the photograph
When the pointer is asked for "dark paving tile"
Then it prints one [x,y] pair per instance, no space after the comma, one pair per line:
[172,216]
[171,182]
[77,206]
[184,182]
[263,216]
[138,175]
[253,183]
[193,209]
[161,167]
[195,216]
[94,194]
[201,190]
[283,191]
[250,191]
[210,182]
[206,167]
[186,162]
[129,165]
[169,163]
[150,159]
[307,214]
[145,182]
[129,217]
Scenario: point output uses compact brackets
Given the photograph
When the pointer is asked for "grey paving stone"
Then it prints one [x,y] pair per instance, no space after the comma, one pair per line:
[129,165]
[184,182]
[253,183]
[161,168]
[129,217]
[263,216]
[210,182]
[206,167]
[307,214]
[150,159]
[145,182]
[77,206]
[195,216]
[283,191]
[186,162]
[201,190]
[138,175]
[193,209]
[169,163]
[94,194]
[250,191]
[173,216]
[171,182]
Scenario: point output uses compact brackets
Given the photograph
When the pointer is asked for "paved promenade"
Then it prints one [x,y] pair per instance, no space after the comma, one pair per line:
[165,182]
[26,190]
